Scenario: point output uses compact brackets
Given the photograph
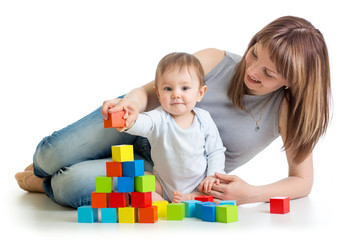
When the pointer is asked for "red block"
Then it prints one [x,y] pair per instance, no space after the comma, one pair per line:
[280,205]
[114,169]
[141,200]
[148,215]
[99,200]
[204,198]
[115,120]
[118,200]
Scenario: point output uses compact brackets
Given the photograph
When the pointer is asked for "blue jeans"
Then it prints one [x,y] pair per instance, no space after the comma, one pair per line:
[71,159]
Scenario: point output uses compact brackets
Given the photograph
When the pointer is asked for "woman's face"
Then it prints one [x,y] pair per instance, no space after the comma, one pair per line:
[261,76]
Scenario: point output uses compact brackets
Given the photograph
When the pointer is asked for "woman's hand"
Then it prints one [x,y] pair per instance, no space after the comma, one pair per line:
[130,108]
[232,188]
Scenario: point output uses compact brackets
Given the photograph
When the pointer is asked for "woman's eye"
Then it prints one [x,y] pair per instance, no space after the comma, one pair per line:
[254,53]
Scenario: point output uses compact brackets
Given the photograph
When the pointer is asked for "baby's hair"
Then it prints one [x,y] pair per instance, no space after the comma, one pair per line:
[180,60]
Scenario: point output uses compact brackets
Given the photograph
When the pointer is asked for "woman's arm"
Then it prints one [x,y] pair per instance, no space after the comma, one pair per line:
[298,183]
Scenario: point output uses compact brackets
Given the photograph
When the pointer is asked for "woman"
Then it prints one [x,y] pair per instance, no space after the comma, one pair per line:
[281,86]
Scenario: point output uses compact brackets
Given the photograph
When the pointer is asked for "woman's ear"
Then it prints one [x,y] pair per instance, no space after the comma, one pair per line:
[201,93]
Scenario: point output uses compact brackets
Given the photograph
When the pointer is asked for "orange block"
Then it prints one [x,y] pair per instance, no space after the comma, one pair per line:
[148,215]
[114,169]
[99,200]
[115,120]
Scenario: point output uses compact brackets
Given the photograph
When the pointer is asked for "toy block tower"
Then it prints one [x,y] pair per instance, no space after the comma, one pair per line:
[115,202]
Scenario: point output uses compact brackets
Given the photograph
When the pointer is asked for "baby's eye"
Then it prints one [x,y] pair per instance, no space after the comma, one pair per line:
[168,89]
[185,88]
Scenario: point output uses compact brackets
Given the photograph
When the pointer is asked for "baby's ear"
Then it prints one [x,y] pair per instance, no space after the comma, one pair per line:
[201,93]
[156,91]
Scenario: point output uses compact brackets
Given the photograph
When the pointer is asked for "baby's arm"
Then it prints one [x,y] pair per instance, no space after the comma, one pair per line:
[207,183]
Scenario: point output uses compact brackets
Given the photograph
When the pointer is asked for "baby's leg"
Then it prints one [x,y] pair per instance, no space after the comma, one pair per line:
[158,194]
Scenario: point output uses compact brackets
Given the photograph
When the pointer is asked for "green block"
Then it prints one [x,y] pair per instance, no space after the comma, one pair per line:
[103,184]
[226,213]
[145,183]
[176,211]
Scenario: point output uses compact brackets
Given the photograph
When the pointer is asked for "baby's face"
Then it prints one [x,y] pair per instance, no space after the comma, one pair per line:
[179,91]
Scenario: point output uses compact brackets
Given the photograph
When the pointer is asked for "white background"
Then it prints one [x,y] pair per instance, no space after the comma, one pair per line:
[59,60]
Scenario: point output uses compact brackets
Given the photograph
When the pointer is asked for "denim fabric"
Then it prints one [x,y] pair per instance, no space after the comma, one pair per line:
[71,159]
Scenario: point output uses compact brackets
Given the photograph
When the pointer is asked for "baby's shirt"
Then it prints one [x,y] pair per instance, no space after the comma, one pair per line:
[182,157]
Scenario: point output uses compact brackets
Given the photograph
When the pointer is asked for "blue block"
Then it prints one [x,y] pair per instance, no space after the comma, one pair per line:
[228,202]
[87,214]
[133,168]
[199,208]
[190,206]
[125,184]
[109,215]
[209,212]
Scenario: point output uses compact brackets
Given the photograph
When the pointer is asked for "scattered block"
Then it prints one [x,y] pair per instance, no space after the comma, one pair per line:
[114,169]
[118,199]
[280,205]
[144,183]
[133,168]
[176,211]
[99,200]
[228,202]
[103,184]
[127,215]
[204,198]
[199,208]
[141,200]
[122,153]
[125,184]
[208,212]
[226,213]
[108,215]
[148,215]
[87,214]
[190,208]
[115,120]
[162,207]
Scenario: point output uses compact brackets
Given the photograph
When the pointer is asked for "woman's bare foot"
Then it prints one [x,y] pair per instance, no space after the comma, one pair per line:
[29,182]
[179,196]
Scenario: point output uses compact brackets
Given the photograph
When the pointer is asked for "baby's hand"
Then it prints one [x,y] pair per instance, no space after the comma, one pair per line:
[207,183]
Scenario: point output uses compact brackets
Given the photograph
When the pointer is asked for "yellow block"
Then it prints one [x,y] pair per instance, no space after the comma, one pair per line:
[127,215]
[122,153]
[162,207]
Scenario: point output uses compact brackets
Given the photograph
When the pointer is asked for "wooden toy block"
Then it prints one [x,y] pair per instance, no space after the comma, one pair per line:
[108,215]
[99,200]
[144,183]
[115,120]
[190,208]
[122,153]
[280,205]
[125,184]
[127,215]
[162,208]
[133,169]
[204,198]
[176,211]
[114,169]
[208,212]
[199,208]
[228,202]
[87,214]
[118,199]
[141,200]
[148,215]
[103,184]
[226,213]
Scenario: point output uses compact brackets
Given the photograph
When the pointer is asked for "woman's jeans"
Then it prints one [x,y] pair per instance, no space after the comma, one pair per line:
[71,159]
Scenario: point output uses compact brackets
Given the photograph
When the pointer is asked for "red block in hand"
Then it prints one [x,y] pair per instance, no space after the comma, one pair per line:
[115,120]
[280,205]
[204,198]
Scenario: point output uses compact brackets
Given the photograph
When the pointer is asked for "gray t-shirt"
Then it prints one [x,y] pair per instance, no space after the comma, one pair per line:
[237,128]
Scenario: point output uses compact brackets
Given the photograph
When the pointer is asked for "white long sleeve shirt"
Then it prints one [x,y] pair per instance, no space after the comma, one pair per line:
[182,157]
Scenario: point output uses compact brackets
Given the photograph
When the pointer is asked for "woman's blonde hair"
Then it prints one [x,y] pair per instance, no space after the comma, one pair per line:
[300,55]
